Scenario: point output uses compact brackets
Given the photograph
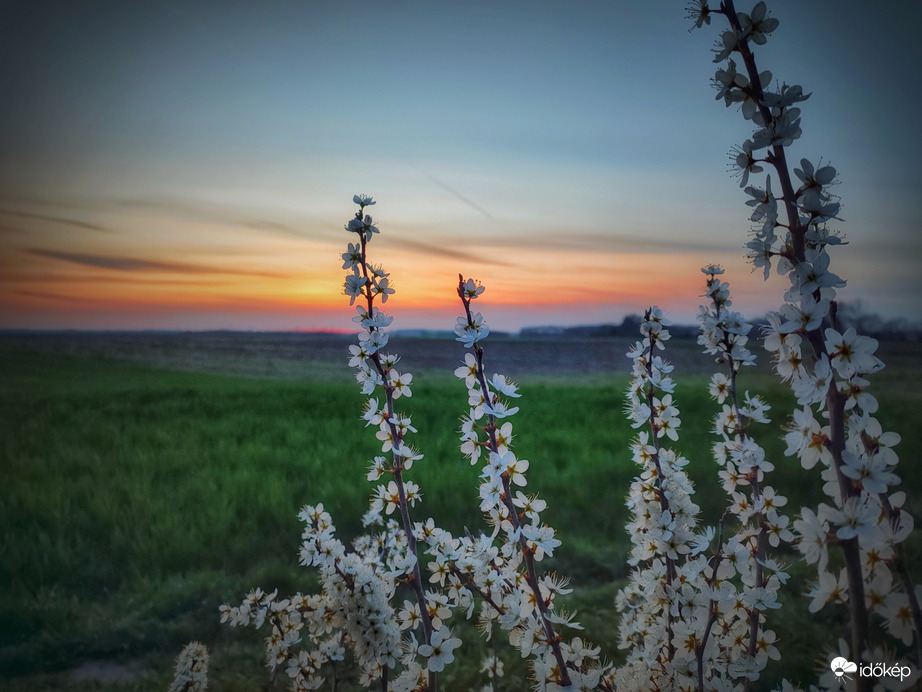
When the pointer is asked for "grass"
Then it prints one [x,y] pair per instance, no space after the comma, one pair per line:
[138,499]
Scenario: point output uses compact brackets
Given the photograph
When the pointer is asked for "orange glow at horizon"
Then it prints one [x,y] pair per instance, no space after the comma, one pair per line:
[288,278]
[221,269]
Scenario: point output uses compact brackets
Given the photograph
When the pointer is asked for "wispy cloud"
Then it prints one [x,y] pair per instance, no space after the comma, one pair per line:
[54,296]
[275,227]
[245,219]
[176,208]
[440,251]
[454,192]
[578,240]
[59,203]
[13,277]
[622,242]
[67,221]
[223,214]
[135,264]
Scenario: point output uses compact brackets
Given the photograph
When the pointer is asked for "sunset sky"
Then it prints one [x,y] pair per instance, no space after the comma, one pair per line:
[190,165]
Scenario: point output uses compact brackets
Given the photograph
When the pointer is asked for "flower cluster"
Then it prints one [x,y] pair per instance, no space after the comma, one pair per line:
[827,367]
[424,616]
[398,647]
[745,579]
[514,596]
[663,609]
[352,607]
[693,620]
[191,669]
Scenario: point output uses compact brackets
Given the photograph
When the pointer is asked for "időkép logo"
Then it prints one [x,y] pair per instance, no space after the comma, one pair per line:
[843,668]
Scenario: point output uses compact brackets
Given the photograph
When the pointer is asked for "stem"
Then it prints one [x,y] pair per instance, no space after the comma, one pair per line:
[777,156]
[835,401]
[397,440]
[531,577]
[411,541]
[712,606]
[664,503]
[762,538]
[472,584]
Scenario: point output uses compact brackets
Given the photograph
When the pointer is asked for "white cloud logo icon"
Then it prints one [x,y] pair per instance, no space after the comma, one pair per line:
[840,666]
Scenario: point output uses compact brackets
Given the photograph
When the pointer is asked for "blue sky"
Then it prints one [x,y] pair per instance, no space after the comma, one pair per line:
[190,165]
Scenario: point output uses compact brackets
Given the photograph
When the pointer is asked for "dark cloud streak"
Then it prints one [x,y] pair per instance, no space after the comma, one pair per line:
[53,296]
[215,214]
[56,219]
[134,264]
[9,277]
[223,214]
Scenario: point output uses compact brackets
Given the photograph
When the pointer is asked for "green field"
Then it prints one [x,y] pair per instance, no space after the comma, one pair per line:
[136,499]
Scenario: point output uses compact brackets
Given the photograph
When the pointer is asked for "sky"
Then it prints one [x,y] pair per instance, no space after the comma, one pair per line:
[190,165]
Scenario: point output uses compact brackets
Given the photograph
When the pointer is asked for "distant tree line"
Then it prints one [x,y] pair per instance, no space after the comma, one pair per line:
[852,314]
